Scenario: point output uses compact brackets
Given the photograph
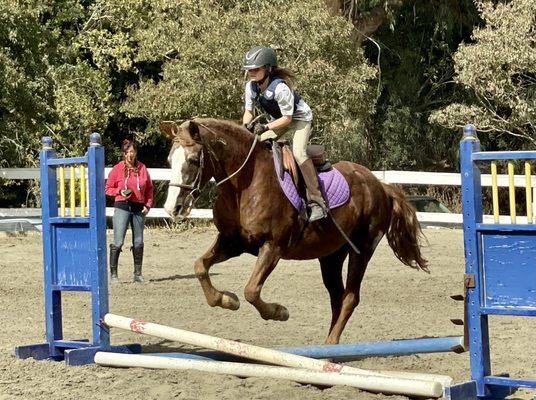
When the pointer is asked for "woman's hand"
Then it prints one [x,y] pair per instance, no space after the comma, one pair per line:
[126,193]
[145,210]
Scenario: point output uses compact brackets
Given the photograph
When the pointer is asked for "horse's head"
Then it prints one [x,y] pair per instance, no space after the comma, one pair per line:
[187,161]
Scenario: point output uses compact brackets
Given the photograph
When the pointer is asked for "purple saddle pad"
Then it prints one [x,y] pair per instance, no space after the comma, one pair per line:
[332,184]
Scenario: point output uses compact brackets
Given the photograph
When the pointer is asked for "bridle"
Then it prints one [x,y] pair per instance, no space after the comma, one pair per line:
[196,185]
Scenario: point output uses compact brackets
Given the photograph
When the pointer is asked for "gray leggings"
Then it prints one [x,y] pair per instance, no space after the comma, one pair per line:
[121,221]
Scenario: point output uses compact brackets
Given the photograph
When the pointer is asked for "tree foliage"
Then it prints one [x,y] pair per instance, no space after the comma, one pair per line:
[415,55]
[388,80]
[26,90]
[120,67]
[498,71]
[187,65]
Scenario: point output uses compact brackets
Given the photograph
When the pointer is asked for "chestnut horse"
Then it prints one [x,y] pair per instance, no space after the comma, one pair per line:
[253,216]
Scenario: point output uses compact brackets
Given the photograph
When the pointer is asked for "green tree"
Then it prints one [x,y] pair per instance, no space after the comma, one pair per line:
[185,57]
[47,85]
[26,91]
[417,69]
[497,69]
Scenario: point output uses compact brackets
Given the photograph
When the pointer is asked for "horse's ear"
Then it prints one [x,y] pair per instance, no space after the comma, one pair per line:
[193,129]
[169,128]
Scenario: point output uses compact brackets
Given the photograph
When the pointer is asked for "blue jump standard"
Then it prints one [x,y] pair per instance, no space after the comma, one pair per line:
[74,353]
[74,259]
[499,273]
[345,352]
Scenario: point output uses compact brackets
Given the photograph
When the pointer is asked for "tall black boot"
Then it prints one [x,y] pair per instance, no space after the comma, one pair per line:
[137,253]
[114,258]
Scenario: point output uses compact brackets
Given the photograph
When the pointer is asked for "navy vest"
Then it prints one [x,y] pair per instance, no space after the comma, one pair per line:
[266,99]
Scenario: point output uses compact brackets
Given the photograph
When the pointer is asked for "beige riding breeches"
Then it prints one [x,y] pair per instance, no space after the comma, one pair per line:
[300,132]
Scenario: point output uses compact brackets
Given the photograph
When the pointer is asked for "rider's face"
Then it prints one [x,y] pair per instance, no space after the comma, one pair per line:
[256,74]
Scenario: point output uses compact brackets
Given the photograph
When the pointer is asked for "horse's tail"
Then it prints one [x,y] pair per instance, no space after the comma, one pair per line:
[405,234]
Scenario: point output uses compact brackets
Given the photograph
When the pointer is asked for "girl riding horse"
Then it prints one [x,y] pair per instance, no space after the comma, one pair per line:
[269,88]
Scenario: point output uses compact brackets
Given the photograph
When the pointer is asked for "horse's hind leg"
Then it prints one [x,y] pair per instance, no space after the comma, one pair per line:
[331,267]
[357,264]
[222,249]
[266,262]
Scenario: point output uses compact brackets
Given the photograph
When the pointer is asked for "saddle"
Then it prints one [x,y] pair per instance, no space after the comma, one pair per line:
[332,183]
[284,159]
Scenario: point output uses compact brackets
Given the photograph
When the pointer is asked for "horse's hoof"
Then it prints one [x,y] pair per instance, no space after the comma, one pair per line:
[281,313]
[230,301]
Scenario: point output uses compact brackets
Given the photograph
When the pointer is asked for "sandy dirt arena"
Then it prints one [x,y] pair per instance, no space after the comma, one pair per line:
[397,302]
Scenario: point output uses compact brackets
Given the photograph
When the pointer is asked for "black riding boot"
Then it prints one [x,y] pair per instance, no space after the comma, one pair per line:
[137,253]
[114,258]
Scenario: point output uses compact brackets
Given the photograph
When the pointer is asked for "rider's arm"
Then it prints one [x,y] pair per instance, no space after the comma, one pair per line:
[280,122]
[247,117]
[248,105]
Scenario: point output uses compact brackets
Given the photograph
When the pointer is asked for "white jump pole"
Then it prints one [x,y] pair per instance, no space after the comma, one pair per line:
[364,382]
[272,356]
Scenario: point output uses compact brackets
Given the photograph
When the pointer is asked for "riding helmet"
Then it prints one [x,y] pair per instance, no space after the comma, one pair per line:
[259,56]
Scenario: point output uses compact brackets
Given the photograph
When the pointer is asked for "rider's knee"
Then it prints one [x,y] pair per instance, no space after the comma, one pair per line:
[300,155]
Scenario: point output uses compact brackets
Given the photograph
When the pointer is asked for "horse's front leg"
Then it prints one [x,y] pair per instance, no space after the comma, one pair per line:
[266,262]
[222,249]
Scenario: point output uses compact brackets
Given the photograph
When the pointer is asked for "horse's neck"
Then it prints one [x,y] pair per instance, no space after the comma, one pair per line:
[229,152]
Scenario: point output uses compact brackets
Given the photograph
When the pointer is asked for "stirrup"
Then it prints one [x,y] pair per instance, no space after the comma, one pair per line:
[317,212]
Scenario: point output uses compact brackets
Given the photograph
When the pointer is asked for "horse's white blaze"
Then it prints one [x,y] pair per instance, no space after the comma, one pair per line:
[177,160]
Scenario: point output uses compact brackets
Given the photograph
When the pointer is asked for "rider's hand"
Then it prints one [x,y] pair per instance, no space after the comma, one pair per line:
[250,126]
[260,129]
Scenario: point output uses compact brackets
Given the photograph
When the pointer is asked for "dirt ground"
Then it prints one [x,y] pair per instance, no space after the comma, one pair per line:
[397,302]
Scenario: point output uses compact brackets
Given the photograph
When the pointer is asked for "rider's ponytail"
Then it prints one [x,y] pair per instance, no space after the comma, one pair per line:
[283,73]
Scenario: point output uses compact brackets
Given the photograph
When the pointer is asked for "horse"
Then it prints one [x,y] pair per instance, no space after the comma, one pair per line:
[252,215]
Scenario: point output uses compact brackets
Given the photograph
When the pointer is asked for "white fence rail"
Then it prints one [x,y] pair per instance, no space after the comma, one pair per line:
[399,177]
[30,216]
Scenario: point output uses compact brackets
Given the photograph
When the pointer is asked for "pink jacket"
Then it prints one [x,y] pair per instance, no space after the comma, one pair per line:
[140,184]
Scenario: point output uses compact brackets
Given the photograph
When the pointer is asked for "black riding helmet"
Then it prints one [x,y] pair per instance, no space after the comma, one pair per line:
[259,56]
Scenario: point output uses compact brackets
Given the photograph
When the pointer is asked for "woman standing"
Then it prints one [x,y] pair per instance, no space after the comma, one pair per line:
[269,88]
[131,186]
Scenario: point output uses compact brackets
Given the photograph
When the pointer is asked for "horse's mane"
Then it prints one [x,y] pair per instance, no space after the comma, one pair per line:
[226,127]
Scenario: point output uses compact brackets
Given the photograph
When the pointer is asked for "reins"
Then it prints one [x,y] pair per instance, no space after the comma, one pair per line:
[255,140]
